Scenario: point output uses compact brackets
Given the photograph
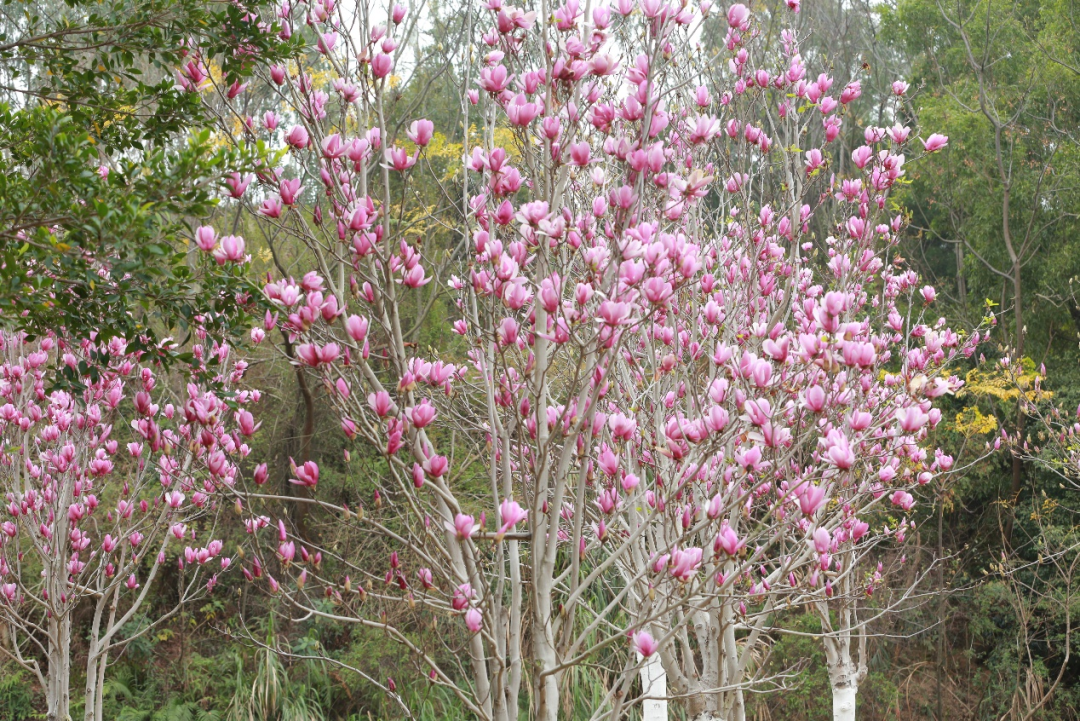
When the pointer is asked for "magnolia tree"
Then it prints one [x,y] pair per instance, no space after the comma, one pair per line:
[695,382]
[104,480]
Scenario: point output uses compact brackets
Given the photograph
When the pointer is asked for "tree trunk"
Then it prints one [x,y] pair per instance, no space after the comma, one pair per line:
[58,694]
[844,702]
[844,679]
[654,684]
[547,691]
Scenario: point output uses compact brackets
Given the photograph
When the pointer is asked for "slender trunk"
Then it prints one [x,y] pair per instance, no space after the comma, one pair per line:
[546,684]
[654,685]
[547,681]
[961,283]
[844,674]
[844,702]
[306,434]
[59,681]
[844,679]
[1018,317]
[941,601]
[1017,476]
[299,510]
[89,714]
[99,699]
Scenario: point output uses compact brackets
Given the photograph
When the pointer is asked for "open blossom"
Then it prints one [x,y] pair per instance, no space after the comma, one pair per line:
[839,450]
[297,137]
[399,159]
[511,514]
[727,540]
[421,131]
[307,474]
[685,563]
[643,643]
[464,526]
[738,17]
[271,207]
[935,142]
[230,249]
[422,414]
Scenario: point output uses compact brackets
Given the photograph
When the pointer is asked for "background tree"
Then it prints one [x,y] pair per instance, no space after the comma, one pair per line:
[103,163]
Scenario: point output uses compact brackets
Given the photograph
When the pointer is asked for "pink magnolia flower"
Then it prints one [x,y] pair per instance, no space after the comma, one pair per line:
[288,190]
[333,147]
[421,415]
[399,159]
[935,142]
[9,591]
[862,155]
[474,620]
[297,137]
[727,540]
[380,403]
[357,327]
[271,207]
[839,450]
[231,249]
[238,184]
[511,514]
[495,79]
[205,238]
[911,419]
[306,474]
[903,500]
[381,65]
[738,17]
[822,540]
[421,131]
[685,563]
[642,642]
[326,42]
[811,497]
[464,526]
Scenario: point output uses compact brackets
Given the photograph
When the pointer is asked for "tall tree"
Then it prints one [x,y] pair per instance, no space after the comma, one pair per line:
[997,212]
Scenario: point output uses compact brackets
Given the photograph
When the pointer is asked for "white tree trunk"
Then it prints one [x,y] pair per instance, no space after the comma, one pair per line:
[654,683]
[844,702]
[58,693]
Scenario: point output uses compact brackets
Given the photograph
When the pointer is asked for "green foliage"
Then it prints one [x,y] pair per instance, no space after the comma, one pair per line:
[91,84]
[92,254]
[17,702]
[1002,80]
